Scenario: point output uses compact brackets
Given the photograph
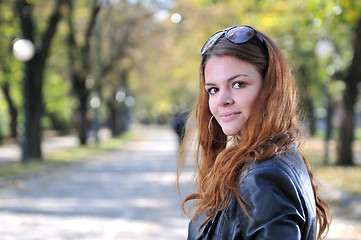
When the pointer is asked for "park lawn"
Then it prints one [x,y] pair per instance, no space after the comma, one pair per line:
[61,157]
[347,179]
[16,168]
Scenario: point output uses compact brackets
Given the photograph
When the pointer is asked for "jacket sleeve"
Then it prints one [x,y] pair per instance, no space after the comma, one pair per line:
[273,203]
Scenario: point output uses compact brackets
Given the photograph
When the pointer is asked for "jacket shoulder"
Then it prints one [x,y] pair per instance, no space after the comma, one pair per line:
[287,164]
[279,198]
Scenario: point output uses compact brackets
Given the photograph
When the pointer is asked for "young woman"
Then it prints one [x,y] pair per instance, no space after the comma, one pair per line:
[258,186]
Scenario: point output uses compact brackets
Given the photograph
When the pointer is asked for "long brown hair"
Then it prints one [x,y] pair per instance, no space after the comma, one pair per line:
[266,133]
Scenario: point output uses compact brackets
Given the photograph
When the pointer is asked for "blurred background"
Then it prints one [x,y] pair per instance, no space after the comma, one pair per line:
[76,67]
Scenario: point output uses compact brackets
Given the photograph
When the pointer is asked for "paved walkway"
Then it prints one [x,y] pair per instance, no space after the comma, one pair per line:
[126,194]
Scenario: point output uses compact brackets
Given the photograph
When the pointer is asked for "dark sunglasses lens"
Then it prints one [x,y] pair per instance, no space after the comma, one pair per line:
[240,34]
[211,41]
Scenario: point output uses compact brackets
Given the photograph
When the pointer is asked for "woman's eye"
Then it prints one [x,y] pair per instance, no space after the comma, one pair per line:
[212,91]
[239,85]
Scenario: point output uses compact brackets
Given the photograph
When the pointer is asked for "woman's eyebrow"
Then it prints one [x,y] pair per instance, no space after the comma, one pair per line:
[229,79]
[237,76]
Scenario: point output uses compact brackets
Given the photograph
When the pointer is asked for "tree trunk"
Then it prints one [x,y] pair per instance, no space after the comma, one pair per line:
[33,104]
[81,53]
[122,117]
[123,111]
[83,109]
[33,78]
[329,128]
[310,116]
[13,112]
[119,115]
[306,99]
[111,104]
[346,132]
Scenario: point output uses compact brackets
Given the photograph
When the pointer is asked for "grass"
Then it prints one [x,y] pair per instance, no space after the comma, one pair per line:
[76,154]
[348,179]
[16,168]
[334,134]
[61,157]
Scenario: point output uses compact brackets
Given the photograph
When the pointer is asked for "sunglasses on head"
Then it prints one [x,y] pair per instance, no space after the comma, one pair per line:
[235,34]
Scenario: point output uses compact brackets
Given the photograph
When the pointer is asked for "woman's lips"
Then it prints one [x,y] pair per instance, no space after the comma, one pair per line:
[226,117]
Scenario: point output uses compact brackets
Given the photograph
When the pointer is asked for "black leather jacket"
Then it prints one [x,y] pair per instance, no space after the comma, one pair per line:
[281,205]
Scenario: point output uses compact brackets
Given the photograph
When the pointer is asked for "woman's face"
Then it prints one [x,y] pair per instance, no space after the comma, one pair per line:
[233,86]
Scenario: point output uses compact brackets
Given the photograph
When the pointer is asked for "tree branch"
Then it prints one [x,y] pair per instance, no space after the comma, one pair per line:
[85,49]
[24,10]
[51,28]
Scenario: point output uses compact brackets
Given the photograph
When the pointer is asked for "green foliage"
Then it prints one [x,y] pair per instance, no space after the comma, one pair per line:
[161,58]
[296,26]
[59,106]
[10,68]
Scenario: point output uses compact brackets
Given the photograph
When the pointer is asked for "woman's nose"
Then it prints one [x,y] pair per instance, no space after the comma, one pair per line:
[225,98]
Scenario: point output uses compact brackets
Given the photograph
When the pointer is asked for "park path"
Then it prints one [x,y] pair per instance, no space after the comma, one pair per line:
[123,194]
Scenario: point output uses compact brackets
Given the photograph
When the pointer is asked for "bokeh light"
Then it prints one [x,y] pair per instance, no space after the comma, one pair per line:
[23,49]
[176,18]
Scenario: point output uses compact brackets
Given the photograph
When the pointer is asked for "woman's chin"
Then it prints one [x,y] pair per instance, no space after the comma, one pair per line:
[229,132]
[231,128]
